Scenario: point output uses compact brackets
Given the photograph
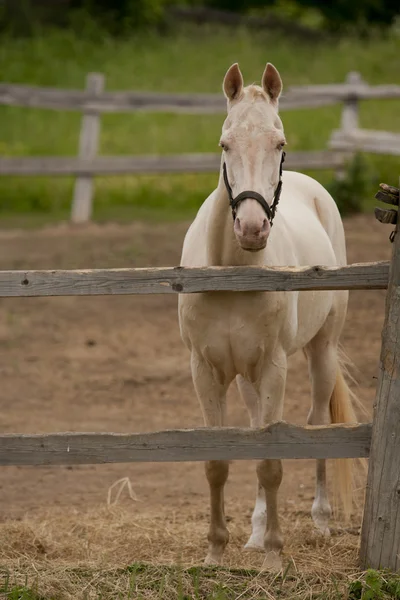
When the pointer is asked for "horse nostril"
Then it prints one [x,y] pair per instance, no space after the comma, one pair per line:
[264,227]
[238,228]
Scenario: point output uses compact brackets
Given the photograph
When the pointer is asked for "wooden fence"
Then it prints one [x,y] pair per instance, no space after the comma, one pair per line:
[380,441]
[94,100]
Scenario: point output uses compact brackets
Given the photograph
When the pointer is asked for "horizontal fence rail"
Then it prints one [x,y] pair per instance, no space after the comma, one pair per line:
[294,98]
[184,280]
[179,163]
[278,440]
[93,101]
[378,142]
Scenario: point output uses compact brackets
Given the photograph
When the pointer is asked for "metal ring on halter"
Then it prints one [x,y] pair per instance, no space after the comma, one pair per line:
[270,211]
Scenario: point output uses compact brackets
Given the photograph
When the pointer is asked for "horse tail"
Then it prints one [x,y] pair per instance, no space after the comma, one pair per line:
[342,410]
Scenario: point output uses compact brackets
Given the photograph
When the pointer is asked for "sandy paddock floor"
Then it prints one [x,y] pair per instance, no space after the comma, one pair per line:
[118,364]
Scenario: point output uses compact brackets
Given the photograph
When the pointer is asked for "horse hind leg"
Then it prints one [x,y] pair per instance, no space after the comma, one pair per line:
[322,360]
[259,517]
[212,397]
[331,402]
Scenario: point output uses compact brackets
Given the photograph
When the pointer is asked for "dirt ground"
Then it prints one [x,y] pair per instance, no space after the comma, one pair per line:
[118,364]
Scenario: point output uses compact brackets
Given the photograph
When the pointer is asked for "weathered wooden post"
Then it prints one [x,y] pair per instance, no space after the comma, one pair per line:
[349,119]
[380,540]
[350,106]
[88,144]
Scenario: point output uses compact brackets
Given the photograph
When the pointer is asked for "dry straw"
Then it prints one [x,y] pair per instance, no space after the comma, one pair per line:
[102,553]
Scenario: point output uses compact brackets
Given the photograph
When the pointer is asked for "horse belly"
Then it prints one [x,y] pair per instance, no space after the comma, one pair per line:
[312,312]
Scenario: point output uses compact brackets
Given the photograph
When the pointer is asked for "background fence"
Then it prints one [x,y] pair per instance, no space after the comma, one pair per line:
[94,101]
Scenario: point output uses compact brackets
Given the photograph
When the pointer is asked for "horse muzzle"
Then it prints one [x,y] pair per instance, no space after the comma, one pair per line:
[252,235]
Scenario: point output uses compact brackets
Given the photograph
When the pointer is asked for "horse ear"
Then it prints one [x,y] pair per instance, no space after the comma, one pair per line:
[233,82]
[272,83]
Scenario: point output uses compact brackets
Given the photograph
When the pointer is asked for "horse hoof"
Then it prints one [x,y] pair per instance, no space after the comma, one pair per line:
[255,545]
[272,562]
[211,560]
[321,514]
[322,529]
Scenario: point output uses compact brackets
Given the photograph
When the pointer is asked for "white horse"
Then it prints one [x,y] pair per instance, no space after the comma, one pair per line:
[250,335]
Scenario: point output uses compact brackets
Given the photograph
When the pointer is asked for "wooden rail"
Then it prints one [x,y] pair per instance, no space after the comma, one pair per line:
[278,440]
[185,280]
[180,163]
[378,142]
[294,98]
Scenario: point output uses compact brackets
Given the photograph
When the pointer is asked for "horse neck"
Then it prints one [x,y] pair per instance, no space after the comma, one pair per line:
[222,247]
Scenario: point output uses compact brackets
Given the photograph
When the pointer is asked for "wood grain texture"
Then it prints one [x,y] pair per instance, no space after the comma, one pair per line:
[380,543]
[293,98]
[88,144]
[377,142]
[386,216]
[191,280]
[388,197]
[179,163]
[390,189]
[278,440]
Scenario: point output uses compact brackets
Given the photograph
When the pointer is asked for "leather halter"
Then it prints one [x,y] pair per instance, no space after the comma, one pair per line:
[270,211]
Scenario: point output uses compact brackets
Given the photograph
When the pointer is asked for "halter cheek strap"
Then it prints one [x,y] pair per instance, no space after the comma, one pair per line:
[270,211]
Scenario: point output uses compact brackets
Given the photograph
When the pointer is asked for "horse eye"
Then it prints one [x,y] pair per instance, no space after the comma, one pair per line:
[223,146]
[281,145]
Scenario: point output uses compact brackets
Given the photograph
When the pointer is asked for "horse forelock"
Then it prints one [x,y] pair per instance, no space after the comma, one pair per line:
[245,115]
[255,93]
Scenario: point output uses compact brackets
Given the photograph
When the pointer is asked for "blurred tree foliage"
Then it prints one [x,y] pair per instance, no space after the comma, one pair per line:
[335,13]
[22,16]
[25,16]
[125,14]
[351,191]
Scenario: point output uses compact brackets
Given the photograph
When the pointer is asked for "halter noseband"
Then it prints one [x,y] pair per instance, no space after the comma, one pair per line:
[270,211]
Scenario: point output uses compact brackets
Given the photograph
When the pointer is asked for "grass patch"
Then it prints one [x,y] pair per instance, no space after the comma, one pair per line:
[142,581]
[189,61]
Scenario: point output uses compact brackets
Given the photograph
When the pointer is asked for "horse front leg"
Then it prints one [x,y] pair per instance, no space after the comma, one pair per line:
[271,389]
[211,393]
[251,399]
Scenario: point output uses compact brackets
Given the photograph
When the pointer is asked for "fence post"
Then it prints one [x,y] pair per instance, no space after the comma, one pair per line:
[350,108]
[349,118]
[380,539]
[88,143]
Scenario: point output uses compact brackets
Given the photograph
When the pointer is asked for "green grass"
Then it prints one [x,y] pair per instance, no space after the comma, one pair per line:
[187,61]
[142,581]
